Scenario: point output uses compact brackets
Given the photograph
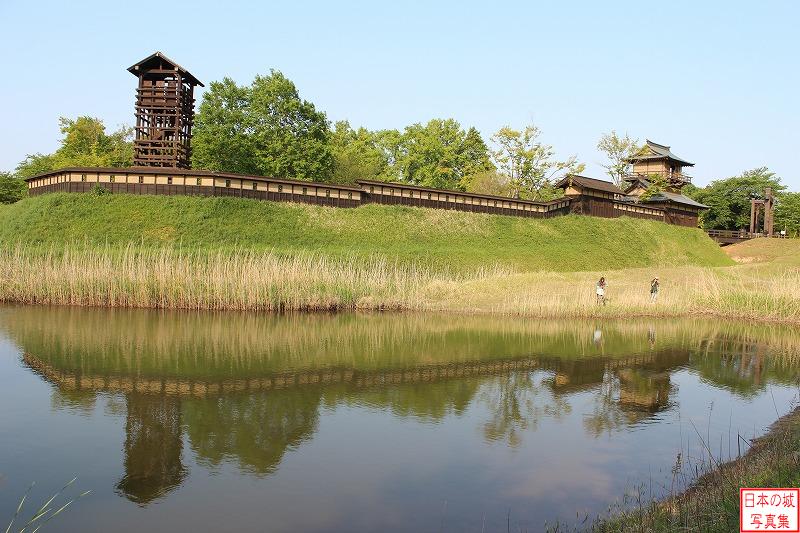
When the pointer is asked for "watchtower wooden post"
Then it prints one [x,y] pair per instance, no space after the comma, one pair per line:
[769,214]
[164,113]
[763,206]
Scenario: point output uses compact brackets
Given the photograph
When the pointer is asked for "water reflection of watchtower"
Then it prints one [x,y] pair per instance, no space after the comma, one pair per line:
[643,390]
[153,447]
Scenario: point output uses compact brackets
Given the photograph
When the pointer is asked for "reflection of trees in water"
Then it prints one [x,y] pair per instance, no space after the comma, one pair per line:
[153,447]
[516,404]
[742,368]
[627,371]
[254,429]
[425,401]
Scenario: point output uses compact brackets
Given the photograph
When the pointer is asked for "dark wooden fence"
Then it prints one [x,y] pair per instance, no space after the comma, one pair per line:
[724,236]
[552,211]
[583,205]
[195,190]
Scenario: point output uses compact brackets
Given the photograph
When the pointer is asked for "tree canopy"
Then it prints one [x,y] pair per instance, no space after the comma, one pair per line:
[263,129]
[84,143]
[729,199]
[528,165]
[787,213]
[12,188]
[618,150]
[358,154]
[440,154]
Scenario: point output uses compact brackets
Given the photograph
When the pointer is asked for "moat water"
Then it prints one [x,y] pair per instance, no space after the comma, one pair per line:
[375,422]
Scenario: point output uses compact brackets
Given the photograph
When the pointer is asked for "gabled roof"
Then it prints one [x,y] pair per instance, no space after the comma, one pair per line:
[155,60]
[675,198]
[588,183]
[653,150]
[634,182]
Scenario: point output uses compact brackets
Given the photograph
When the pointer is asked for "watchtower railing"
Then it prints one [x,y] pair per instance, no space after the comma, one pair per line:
[675,176]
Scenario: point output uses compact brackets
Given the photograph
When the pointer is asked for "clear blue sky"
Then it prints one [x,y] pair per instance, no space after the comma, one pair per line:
[718,81]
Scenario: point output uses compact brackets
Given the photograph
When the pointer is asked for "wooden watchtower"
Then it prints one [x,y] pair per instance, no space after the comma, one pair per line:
[656,160]
[164,113]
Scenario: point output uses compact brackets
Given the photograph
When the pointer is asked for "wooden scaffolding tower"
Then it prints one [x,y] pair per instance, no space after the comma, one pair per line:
[763,208]
[164,113]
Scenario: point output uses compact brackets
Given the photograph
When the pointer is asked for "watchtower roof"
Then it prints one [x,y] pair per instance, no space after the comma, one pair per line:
[655,151]
[157,61]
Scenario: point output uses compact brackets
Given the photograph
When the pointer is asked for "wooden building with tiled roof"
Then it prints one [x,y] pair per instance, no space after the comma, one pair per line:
[602,198]
[678,208]
[656,160]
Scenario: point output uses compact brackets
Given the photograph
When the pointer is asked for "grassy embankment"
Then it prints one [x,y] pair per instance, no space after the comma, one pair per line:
[238,254]
[712,503]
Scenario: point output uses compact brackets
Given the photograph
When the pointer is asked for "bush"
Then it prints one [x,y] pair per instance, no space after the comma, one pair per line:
[97,190]
[12,189]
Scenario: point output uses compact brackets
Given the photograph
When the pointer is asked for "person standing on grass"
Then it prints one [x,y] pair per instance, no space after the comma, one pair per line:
[600,290]
[654,287]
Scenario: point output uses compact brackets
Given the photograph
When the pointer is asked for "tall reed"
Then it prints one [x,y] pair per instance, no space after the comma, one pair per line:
[140,276]
[136,276]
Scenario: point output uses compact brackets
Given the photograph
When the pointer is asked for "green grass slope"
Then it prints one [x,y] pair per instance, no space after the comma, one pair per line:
[781,251]
[451,239]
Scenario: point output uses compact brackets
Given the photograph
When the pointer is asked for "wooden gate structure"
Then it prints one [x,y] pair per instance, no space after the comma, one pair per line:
[762,217]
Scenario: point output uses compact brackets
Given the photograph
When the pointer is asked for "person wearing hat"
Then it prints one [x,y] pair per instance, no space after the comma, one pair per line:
[654,286]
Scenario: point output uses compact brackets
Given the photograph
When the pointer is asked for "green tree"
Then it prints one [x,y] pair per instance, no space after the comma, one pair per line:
[618,150]
[35,164]
[390,143]
[658,183]
[528,165]
[488,182]
[475,155]
[84,143]
[787,213]
[12,188]
[223,138]
[357,154]
[729,199]
[264,129]
[691,190]
[440,154]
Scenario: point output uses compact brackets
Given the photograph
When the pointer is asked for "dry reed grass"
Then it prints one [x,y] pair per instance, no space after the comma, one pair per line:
[136,276]
[240,280]
[757,292]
